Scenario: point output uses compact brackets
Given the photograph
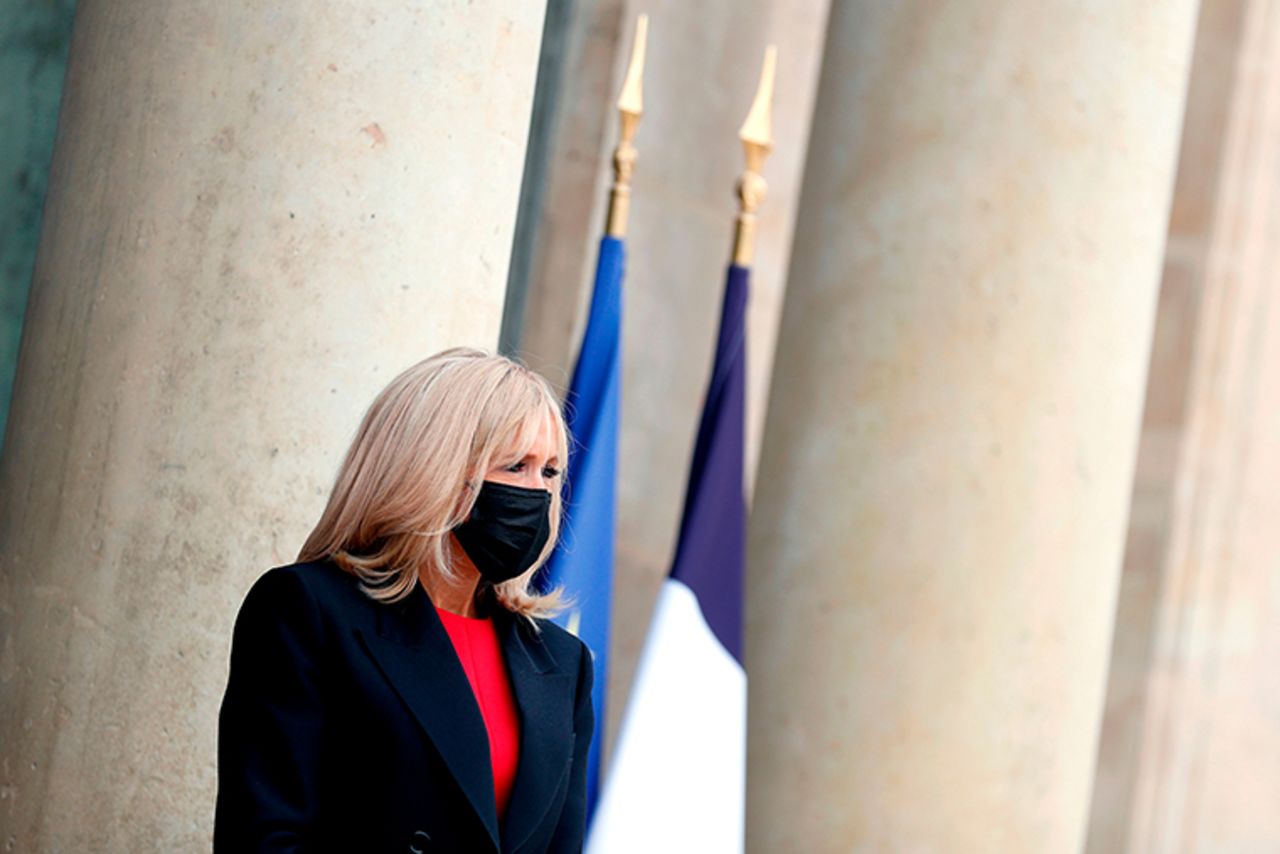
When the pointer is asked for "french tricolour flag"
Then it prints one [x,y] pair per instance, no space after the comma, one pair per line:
[678,776]
[583,560]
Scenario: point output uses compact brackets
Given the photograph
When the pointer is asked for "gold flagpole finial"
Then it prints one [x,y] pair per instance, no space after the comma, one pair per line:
[756,134]
[630,108]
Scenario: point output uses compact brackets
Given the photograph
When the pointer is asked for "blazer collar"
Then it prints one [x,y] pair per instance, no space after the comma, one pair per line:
[543,690]
[415,654]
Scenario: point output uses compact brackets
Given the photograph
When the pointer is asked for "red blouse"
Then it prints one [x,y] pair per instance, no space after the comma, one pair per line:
[477,646]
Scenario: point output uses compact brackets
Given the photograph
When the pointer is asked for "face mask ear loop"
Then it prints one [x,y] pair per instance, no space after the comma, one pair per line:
[470,494]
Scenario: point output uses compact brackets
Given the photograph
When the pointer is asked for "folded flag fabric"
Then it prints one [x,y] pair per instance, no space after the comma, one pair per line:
[678,775]
[583,561]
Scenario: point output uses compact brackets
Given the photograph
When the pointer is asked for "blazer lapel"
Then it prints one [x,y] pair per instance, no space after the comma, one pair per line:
[414,653]
[544,696]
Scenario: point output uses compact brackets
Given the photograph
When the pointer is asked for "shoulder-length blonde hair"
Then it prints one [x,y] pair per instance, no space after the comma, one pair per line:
[413,472]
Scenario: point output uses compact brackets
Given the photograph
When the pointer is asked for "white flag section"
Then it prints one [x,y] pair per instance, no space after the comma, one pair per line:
[677,782]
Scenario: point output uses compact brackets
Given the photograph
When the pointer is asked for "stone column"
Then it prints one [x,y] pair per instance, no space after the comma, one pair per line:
[1201,167]
[258,213]
[703,65]
[947,460]
[1190,752]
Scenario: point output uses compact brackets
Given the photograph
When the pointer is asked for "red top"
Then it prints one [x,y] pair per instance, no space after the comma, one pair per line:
[477,646]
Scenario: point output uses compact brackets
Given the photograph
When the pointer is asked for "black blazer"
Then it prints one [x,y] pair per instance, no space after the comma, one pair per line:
[349,725]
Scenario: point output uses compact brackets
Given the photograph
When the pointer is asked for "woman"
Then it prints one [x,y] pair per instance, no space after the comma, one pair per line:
[398,689]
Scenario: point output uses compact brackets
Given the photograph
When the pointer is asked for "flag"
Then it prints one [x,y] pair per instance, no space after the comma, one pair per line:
[678,775]
[583,560]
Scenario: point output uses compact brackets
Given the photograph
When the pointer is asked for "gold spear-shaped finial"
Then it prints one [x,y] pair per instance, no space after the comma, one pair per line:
[756,134]
[630,108]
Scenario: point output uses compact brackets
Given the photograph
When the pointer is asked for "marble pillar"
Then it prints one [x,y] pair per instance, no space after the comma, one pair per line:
[940,510]
[702,70]
[1189,759]
[257,215]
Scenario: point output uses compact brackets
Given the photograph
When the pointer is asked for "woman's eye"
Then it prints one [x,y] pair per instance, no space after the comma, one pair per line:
[516,467]
[550,472]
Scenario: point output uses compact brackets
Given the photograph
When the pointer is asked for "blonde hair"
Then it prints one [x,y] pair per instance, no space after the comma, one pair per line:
[413,472]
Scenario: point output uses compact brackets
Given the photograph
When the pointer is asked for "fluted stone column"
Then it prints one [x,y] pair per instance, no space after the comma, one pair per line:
[258,213]
[941,503]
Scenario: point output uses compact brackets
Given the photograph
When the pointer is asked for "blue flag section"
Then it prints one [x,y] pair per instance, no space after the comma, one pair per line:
[679,768]
[583,562]
[711,556]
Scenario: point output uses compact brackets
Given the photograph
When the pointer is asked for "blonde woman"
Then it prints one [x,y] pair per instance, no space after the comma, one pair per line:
[398,689]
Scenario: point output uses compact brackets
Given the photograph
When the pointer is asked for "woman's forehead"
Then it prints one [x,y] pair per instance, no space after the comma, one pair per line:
[537,436]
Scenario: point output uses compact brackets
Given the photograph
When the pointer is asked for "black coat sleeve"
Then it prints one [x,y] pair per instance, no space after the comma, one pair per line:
[270,726]
[570,832]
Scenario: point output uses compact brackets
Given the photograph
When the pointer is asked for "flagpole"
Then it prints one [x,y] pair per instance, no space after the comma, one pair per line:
[582,564]
[756,134]
[630,108]
[677,779]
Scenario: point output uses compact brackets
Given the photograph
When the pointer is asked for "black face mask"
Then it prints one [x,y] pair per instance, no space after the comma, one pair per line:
[506,531]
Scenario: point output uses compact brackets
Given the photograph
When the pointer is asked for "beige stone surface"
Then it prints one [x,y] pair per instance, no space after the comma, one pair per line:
[701,74]
[258,213]
[1191,752]
[1201,169]
[952,428]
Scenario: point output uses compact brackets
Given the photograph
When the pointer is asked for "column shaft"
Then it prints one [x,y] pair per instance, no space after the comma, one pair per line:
[1206,764]
[258,214]
[703,65]
[941,503]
